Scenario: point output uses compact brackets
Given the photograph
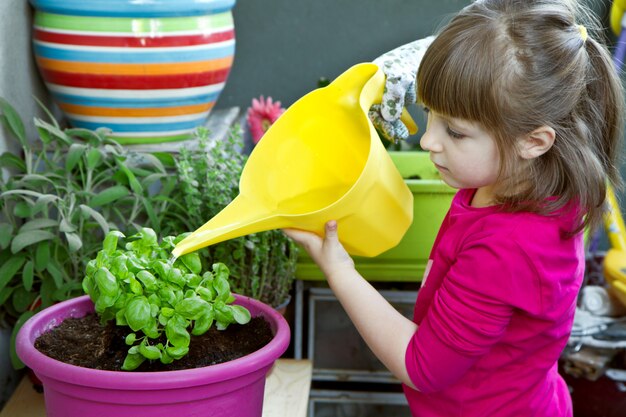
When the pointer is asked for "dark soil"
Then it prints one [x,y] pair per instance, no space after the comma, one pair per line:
[85,342]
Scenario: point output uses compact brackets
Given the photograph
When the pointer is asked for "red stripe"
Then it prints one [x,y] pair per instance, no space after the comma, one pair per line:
[133,41]
[138,82]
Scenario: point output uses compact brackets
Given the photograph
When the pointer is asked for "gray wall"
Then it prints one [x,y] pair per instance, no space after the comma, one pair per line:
[19,80]
[285,46]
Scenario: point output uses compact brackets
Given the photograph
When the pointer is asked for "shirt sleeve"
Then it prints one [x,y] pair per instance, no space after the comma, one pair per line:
[469,312]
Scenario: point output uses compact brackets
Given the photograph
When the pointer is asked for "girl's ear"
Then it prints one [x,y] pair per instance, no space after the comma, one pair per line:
[537,142]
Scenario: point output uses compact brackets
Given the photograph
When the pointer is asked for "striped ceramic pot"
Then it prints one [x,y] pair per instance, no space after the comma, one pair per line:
[150,70]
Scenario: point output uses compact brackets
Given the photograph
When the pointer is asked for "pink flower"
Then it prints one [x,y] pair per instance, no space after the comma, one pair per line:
[261,115]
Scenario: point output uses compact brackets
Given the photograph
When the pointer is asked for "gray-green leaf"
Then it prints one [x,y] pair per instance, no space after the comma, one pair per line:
[109,195]
[28,275]
[6,233]
[38,224]
[74,242]
[88,211]
[9,269]
[11,119]
[74,154]
[28,238]
[42,255]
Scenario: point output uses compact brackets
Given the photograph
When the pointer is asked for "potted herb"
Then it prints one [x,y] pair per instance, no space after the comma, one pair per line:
[66,190]
[163,306]
[262,265]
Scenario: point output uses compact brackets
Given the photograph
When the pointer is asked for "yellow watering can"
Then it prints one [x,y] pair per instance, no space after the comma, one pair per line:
[322,160]
[615,258]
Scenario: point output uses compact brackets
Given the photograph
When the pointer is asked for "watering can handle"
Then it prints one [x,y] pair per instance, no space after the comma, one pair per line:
[408,121]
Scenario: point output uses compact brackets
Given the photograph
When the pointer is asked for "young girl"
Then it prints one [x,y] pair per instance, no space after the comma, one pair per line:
[524,118]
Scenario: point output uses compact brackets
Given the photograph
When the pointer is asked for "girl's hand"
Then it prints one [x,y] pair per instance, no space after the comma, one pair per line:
[327,252]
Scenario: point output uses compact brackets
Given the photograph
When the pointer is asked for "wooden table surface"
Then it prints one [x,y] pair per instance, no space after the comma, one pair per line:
[286,393]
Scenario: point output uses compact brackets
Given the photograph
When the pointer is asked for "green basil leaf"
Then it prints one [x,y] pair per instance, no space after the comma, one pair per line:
[148,280]
[203,323]
[120,319]
[110,241]
[207,294]
[133,361]
[193,262]
[191,308]
[150,352]
[176,277]
[176,332]
[89,286]
[240,314]
[221,286]
[130,339]
[177,352]
[106,282]
[135,287]
[152,330]
[138,313]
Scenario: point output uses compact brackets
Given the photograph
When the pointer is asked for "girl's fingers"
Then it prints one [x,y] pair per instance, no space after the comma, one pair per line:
[300,236]
[331,230]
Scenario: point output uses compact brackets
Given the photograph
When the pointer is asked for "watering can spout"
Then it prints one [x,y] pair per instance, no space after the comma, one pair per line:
[322,160]
[241,217]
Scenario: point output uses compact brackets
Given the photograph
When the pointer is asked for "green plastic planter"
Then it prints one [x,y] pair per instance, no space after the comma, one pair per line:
[406,261]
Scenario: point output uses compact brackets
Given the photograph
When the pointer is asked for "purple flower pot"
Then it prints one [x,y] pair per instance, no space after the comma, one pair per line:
[233,389]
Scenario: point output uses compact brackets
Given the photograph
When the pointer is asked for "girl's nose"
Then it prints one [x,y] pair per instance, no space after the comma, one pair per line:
[428,141]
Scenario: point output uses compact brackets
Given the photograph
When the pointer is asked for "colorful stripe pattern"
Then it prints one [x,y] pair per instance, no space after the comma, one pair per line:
[147,79]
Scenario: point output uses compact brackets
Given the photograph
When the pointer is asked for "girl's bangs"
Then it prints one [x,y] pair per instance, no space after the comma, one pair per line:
[458,82]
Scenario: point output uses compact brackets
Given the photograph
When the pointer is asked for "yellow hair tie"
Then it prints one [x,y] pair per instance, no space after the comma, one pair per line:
[583,32]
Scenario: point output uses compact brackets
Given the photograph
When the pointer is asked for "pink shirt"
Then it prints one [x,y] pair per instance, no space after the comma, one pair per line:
[494,314]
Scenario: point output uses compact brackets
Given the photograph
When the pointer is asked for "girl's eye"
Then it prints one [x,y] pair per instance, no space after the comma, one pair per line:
[426,110]
[453,134]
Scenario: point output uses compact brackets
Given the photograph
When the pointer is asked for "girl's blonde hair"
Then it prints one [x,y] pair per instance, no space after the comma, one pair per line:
[516,65]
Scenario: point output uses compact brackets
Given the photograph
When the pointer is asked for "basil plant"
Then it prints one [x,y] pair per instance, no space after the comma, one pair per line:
[140,287]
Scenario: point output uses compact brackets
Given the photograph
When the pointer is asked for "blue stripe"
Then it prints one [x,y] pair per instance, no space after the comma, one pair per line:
[132,57]
[134,102]
[148,127]
[133,8]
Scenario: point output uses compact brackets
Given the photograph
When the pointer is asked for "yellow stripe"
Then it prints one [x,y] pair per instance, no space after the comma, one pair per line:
[132,112]
[134,69]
